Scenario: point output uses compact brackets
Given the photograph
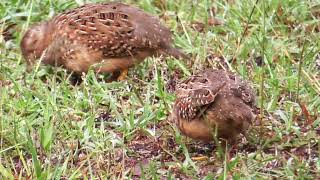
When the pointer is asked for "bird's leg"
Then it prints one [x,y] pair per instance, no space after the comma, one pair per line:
[118,75]
[203,156]
[114,76]
[123,75]
[197,157]
[75,79]
[200,158]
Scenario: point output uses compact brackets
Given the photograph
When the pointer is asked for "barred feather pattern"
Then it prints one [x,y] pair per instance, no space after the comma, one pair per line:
[213,100]
[194,93]
[115,35]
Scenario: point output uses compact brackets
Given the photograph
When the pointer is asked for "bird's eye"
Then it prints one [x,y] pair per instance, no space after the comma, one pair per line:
[203,80]
[34,41]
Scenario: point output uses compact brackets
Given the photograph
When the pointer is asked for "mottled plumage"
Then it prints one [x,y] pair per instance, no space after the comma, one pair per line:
[108,36]
[213,101]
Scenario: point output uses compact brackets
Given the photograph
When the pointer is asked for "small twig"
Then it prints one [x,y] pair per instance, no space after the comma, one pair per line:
[184,30]
[261,89]
[249,20]
[245,30]
[169,153]
[300,68]
[314,83]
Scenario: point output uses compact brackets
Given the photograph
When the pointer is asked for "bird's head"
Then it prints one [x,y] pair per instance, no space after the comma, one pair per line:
[34,42]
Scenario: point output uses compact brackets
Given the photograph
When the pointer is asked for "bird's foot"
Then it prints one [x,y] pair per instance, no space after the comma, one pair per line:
[123,75]
[200,158]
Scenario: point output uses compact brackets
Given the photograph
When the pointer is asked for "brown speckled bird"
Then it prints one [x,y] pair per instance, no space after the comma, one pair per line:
[110,37]
[213,102]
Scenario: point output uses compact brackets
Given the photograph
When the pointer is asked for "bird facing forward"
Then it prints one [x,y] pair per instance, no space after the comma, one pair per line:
[109,37]
[213,103]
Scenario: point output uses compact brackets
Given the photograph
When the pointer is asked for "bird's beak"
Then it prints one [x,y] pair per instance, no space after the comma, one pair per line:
[29,66]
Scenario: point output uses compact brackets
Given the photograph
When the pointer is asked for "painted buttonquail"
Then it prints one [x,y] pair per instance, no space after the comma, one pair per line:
[213,102]
[110,37]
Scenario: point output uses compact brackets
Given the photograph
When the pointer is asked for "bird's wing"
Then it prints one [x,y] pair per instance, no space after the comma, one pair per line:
[103,28]
[194,93]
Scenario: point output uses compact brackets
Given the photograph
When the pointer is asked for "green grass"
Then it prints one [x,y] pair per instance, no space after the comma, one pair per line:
[50,129]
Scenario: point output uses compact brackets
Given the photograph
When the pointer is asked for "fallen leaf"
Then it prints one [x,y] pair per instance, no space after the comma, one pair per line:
[306,113]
